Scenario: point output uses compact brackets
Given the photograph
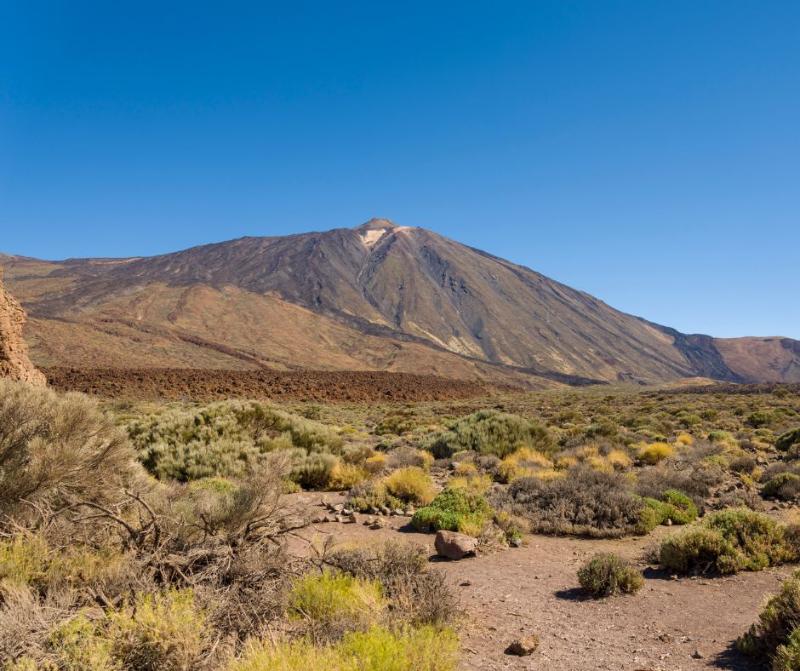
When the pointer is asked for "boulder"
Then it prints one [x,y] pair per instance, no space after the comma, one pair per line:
[453,545]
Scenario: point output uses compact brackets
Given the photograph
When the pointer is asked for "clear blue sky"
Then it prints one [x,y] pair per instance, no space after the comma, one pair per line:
[645,151]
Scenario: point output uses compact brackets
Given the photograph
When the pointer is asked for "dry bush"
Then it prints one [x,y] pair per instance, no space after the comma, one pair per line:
[417,595]
[585,503]
[56,450]
[607,575]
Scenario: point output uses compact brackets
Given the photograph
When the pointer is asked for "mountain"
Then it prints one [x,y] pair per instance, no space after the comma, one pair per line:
[376,297]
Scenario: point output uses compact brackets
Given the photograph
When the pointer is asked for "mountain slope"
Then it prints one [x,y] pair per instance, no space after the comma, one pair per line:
[379,296]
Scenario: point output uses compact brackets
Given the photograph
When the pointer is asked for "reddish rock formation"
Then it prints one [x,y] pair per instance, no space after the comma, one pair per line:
[14,361]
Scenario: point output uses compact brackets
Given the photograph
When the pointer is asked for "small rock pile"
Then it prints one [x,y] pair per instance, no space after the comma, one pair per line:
[339,512]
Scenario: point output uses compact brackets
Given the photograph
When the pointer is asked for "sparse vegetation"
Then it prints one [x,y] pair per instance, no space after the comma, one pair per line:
[607,574]
[730,541]
[166,548]
[454,509]
[775,638]
[585,503]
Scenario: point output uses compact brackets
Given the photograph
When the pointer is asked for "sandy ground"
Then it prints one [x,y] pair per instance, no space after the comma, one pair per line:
[670,625]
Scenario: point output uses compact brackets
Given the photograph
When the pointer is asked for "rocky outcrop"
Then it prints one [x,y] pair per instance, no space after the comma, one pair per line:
[14,361]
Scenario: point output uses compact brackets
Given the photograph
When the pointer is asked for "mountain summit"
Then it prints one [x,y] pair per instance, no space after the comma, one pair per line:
[379,296]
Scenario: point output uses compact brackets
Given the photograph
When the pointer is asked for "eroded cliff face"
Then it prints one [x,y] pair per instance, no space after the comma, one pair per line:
[14,361]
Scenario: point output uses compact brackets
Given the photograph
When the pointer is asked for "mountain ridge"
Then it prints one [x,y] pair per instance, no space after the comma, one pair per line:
[381,293]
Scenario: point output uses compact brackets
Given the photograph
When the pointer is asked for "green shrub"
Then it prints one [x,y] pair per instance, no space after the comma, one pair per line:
[159,632]
[784,486]
[776,637]
[674,506]
[787,440]
[729,541]
[78,646]
[156,632]
[314,471]
[411,485]
[228,439]
[454,510]
[607,574]
[335,603]
[417,595]
[378,649]
[490,432]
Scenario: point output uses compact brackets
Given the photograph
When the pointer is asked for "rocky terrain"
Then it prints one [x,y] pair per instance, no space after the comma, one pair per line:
[377,297]
[14,361]
[208,385]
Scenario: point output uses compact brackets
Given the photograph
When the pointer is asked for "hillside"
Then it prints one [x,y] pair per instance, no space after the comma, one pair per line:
[376,297]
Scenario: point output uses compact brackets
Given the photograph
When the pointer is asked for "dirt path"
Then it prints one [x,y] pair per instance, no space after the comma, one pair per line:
[671,625]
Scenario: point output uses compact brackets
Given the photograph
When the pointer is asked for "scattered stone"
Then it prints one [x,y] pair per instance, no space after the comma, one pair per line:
[337,518]
[698,655]
[386,510]
[352,518]
[515,542]
[377,524]
[453,545]
[465,583]
[523,647]
[397,512]
[347,512]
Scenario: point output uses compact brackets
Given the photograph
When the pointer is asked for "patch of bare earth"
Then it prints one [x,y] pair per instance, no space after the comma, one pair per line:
[670,625]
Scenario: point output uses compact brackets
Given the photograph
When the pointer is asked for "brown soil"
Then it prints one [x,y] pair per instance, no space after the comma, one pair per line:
[180,384]
[670,625]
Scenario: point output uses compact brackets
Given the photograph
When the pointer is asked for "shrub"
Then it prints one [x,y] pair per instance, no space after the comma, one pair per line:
[371,494]
[345,476]
[520,463]
[332,604]
[422,649]
[454,510]
[776,637]
[474,484]
[787,440]
[410,649]
[490,432]
[727,542]
[314,471]
[403,457]
[410,484]
[655,452]
[417,595]
[585,503]
[159,632]
[56,449]
[77,646]
[618,460]
[674,507]
[784,486]
[607,574]
[229,439]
